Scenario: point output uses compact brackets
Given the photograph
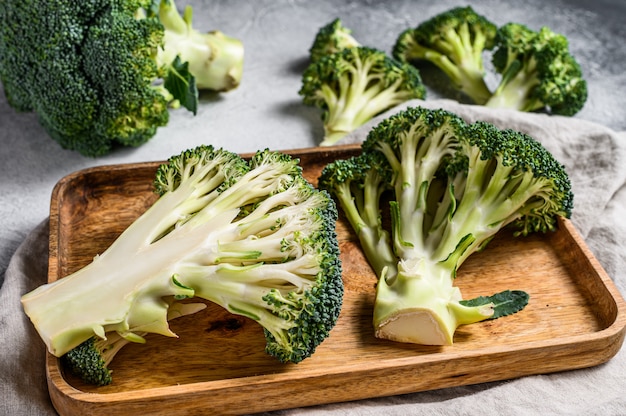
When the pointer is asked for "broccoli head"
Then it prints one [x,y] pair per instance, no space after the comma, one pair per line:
[354,85]
[447,188]
[332,38]
[537,72]
[252,236]
[106,73]
[454,41]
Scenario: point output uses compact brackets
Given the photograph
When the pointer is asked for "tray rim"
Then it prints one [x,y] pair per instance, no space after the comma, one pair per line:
[60,390]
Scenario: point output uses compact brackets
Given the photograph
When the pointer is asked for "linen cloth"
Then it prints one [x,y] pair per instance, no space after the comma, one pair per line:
[595,158]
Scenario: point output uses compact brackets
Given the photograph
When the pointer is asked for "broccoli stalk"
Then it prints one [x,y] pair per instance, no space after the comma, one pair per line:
[450,188]
[254,237]
[355,84]
[214,59]
[454,41]
[538,72]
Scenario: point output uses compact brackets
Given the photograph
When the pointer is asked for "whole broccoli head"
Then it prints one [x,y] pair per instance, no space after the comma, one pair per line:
[538,72]
[252,236]
[105,73]
[447,187]
[354,85]
[454,41]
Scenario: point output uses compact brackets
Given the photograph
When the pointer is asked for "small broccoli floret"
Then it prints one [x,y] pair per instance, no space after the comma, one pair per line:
[538,72]
[252,236]
[454,41]
[356,84]
[330,39]
[104,74]
[90,360]
[448,188]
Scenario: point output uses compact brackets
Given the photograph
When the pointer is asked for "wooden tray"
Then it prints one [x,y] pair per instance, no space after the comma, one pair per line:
[576,318]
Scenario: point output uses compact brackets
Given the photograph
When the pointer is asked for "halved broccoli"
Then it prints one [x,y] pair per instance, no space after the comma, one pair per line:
[355,84]
[454,41]
[105,73]
[448,187]
[331,38]
[538,72]
[253,237]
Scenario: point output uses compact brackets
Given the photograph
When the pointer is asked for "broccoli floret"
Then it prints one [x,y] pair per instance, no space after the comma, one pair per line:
[538,72]
[90,360]
[252,236]
[106,73]
[332,38]
[454,41]
[447,188]
[356,84]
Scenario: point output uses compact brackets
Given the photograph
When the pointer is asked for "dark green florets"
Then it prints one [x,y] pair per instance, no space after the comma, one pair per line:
[86,69]
[87,361]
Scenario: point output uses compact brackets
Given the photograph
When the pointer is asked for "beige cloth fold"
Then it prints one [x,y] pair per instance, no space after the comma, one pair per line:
[595,158]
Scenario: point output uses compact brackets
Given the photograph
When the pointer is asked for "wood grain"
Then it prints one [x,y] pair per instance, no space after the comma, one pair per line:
[576,318]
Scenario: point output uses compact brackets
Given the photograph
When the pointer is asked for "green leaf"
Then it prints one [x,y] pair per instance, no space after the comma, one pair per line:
[182,85]
[505,303]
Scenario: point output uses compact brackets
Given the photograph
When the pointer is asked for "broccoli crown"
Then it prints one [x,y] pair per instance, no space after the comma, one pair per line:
[538,71]
[253,236]
[443,31]
[331,38]
[454,41]
[356,84]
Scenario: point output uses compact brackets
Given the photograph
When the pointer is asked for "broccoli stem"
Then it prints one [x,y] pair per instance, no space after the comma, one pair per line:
[515,88]
[421,305]
[460,59]
[215,59]
[360,98]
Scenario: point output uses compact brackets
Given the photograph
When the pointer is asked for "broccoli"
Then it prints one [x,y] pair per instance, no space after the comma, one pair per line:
[251,236]
[426,191]
[354,85]
[454,41]
[332,38]
[538,72]
[105,73]
[90,360]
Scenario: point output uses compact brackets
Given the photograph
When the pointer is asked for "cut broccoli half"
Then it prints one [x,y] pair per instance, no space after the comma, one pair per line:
[251,236]
[447,188]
